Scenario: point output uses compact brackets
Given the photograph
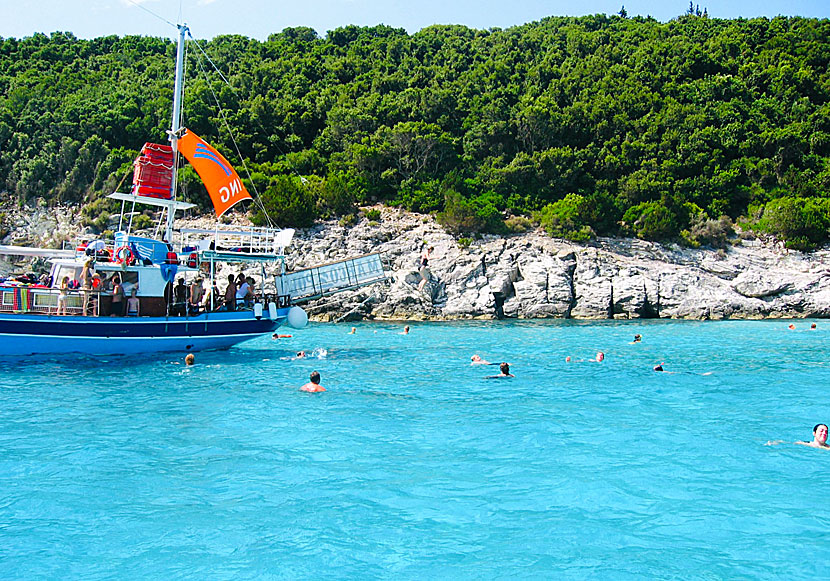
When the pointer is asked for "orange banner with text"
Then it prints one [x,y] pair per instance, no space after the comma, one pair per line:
[220,179]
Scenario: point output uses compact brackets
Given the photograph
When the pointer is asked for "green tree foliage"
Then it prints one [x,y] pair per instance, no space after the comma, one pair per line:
[638,119]
[567,218]
[286,199]
[801,222]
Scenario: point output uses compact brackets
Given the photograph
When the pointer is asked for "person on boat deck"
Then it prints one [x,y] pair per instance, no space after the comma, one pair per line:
[133,305]
[118,302]
[86,285]
[243,291]
[819,437]
[230,294]
[213,300]
[62,296]
[313,384]
[197,293]
[179,299]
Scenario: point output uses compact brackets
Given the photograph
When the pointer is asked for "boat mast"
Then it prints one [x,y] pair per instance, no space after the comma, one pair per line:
[176,127]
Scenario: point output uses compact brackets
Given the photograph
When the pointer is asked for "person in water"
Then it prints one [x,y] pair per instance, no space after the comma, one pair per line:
[477,360]
[313,384]
[405,330]
[599,358]
[505,372]
[819,437]
[189,359]
[637,338]
[352,332]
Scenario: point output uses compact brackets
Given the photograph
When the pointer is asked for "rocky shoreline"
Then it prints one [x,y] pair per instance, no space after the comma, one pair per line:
[534,276]
[529,275]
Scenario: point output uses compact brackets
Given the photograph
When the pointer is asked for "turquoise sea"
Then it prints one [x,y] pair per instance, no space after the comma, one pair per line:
[413,466]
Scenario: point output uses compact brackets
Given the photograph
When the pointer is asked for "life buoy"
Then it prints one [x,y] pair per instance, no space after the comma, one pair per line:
[125,256]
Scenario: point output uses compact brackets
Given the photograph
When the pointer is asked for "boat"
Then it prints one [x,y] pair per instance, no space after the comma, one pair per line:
[71,310]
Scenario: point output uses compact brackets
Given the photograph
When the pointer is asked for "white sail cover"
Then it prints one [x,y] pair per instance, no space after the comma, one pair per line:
[330,278]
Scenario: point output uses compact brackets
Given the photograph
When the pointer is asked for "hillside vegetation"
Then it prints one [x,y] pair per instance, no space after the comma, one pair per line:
[593,125]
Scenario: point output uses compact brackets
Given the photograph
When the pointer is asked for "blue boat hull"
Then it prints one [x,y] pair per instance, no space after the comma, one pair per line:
[47,334]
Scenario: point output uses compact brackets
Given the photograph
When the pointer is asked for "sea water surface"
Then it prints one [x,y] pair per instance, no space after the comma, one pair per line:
[412,465]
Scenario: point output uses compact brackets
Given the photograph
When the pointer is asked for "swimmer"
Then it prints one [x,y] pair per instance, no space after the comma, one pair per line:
[658,367]
[813,327]
[637,339]
[301,354]
[599,358]
[819,437]
[276,336]
[405,330]
[190,359]
[791,327]
[313,384]
[477,360]
[505,372]
[353,331]
[568,359]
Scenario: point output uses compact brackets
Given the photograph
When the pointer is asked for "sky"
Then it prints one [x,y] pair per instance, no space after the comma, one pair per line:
[260,18]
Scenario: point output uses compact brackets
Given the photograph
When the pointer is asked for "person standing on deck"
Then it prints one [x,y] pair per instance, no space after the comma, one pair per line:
[230,294]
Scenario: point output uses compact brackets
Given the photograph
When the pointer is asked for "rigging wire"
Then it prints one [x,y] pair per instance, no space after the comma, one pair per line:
[150,12]
[257,197]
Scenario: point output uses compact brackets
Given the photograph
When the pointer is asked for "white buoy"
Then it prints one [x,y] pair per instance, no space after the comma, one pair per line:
[258,311]
[272,310]
[297,318]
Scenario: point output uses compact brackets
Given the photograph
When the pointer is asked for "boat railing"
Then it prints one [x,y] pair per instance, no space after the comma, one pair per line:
[247,240]
[41,300]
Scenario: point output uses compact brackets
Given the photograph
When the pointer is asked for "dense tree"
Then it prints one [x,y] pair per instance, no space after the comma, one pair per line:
[599,124]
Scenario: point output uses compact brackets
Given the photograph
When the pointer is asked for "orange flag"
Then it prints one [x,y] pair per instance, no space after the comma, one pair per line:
[220,179]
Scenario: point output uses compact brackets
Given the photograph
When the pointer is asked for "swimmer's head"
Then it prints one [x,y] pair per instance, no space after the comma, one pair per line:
[475,358]
[568,359]
[600,356]
[300,353]
[637,338]
[314,378]
[813,326]
[791,326]
[658,367]
[504,368]
[190,359]
[820,433]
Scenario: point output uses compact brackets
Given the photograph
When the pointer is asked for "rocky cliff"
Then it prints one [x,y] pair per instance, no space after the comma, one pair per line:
[534,276]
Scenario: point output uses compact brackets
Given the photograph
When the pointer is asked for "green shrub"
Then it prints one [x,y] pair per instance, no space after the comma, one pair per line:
[373,215]
[348,220]
[704,231]
[461,216]
[287,200]
[567,218]
[651,221]
[518,224]
[801,223]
